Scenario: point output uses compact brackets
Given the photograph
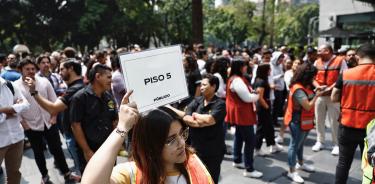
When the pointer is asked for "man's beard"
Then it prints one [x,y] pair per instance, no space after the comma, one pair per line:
[66,77]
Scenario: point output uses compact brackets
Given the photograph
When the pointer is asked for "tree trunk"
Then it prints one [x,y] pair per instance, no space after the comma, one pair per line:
[263,31]
[272,30]
[197,21]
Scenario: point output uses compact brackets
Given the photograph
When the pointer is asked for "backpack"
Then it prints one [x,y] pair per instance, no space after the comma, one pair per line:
[10,86]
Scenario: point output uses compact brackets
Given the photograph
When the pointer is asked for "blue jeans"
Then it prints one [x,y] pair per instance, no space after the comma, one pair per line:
[244,134]
[296,143]
[72,148]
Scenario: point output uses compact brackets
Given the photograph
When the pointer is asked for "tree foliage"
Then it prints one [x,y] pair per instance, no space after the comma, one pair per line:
[291,23]
[53,24]
[229,23]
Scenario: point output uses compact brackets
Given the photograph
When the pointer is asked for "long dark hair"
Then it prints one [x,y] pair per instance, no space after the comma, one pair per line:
[262,71]
[220,66]
[192,64]
[304,75]
[149,137]
[236,67]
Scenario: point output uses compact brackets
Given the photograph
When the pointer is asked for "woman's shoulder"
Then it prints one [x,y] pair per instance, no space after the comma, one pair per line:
[122,173]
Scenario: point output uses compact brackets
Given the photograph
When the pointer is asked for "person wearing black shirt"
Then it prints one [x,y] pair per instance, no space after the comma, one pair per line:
[265,127]
[93,113]
[205,117]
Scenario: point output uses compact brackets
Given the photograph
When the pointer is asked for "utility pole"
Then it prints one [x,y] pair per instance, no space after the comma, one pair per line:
[310,31]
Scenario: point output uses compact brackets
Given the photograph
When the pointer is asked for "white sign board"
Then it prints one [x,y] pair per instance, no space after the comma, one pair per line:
[157,76]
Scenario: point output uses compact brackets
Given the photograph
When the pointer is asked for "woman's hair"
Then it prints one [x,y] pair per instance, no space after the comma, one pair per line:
[192,64]
[236,67]
[262,71]
[220,66]
[149,137]
[304,74]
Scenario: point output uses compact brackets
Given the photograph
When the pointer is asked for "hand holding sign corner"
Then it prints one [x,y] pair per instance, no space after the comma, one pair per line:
[157,76]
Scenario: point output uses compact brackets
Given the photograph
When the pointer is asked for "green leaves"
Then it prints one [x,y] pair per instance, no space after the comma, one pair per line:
[229,23]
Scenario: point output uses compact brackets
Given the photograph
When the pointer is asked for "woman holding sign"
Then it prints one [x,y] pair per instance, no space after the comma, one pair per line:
[299,117]
[159,151]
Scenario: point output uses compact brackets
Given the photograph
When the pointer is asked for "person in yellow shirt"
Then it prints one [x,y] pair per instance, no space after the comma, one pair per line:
[159,151]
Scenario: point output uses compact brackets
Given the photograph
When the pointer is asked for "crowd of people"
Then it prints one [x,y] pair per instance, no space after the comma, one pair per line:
[85,99]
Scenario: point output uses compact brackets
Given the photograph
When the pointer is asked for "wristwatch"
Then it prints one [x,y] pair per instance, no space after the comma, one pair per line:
[121,132]
[33,93]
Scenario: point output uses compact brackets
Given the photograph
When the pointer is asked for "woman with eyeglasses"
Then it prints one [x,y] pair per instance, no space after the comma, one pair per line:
[159,151]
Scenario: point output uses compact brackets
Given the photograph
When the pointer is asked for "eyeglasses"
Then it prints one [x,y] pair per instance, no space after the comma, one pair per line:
[173,141]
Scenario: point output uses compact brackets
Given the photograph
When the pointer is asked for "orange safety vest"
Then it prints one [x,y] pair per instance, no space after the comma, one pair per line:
[328,75]
[307,117]
[358,96]
[197,172]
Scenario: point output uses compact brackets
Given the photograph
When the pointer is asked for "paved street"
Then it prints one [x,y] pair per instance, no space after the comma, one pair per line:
[274,167]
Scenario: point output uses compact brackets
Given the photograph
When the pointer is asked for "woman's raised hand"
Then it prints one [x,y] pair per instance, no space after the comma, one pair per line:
[128,113]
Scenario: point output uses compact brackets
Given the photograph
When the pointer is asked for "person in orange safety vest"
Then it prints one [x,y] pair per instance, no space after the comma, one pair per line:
[329,67]
[299,117]
[355,88]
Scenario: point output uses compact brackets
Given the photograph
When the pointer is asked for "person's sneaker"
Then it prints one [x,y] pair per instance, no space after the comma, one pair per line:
[237,165]
[335,150]
[305,167]
[260,153]
[253,174]
[318,146]
[279,139]
[45,180]
[228,150]
[276,148]
[72,177]
[294,176]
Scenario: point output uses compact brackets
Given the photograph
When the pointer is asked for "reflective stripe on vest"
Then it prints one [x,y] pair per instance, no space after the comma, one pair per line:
[198,173]
[307,117]
[358,96]
[328,75]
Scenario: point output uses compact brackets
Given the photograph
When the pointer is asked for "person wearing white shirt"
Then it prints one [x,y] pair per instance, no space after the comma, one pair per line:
[12,102]
[277,76]
[219,69]
[39,125]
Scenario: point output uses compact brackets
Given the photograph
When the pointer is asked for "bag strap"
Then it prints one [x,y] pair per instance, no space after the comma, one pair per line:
[10,86]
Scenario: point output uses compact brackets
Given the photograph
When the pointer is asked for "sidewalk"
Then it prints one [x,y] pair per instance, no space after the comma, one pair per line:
[274,167]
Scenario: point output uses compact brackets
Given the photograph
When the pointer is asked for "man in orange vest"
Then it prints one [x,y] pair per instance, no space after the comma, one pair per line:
[356,90]
[329,67]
